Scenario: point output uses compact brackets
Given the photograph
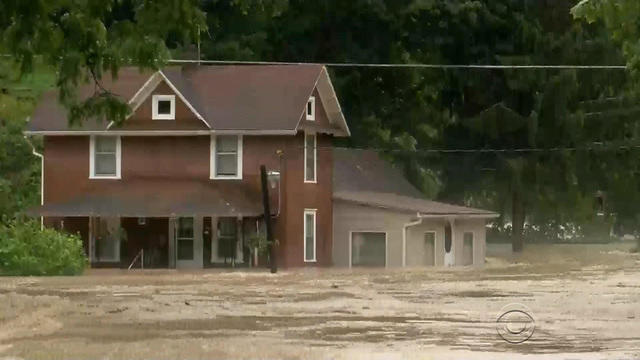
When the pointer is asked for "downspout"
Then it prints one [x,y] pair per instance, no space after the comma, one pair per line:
[34,152]
[404,238]
[279,153]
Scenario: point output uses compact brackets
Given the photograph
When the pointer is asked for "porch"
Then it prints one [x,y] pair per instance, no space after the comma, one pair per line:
[165,242]
[176,224]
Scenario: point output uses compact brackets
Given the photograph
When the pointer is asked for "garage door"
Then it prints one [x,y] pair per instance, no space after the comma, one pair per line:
[368,249]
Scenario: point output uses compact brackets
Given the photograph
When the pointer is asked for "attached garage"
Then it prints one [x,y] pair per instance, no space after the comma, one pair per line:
[387,222]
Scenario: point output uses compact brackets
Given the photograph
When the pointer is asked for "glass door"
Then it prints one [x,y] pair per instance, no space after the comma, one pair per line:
[187,241]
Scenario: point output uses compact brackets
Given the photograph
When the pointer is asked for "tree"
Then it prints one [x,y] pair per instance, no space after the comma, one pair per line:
[620,17]
[84,39]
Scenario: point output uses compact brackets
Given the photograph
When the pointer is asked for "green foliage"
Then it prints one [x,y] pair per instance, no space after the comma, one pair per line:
[27,250]
[400,109]
[83,39]
[620,17]
[19,168]
[259,242]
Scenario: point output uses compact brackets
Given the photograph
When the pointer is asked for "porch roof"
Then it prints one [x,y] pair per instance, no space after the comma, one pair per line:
[159,199]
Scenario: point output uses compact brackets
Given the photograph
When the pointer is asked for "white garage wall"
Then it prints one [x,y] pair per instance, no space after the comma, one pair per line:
[349,217]
[477,226]
[415,236]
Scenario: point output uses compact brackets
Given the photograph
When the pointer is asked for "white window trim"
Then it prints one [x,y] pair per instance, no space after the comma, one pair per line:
[92,151]
[304,235]
[386,245]
[212,161]
[315,159]
[171,115]
[312,116]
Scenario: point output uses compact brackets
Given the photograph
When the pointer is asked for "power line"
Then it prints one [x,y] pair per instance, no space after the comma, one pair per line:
[593,147]
[390,65]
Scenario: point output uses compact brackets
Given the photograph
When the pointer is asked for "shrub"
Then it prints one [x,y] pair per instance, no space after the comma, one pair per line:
[27,250]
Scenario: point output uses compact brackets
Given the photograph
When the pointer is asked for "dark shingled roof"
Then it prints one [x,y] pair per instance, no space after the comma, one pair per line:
[362,177]
[50,115]
[228,97]
[140,199]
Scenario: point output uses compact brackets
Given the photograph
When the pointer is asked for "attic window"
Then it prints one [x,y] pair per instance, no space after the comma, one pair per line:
[164,107]
[311,108]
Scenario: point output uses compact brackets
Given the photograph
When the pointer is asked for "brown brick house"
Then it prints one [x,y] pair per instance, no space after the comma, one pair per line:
[180,178]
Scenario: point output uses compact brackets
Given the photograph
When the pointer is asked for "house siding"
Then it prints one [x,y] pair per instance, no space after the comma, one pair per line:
[350,217]
[142,118]
[187,157]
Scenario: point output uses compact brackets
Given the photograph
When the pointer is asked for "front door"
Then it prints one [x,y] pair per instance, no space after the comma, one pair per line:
[188,243]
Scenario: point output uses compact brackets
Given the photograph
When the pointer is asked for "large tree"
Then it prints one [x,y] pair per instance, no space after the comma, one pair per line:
[83,39]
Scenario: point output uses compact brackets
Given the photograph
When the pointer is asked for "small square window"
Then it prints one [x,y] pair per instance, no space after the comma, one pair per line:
[311,109]
[164,107]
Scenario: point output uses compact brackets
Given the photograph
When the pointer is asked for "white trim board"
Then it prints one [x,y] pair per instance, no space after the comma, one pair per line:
[154,80]
[196,113]
[159,132]
[155,115]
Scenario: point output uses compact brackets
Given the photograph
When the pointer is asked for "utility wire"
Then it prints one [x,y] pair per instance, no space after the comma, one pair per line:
[593,147]
[389,65]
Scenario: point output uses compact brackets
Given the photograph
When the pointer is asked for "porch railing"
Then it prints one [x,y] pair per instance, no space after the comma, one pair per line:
[141,256]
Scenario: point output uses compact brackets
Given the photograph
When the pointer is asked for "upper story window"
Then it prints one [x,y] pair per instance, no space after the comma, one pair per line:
[311,108]
[226,157]
[164,107]
[105,154]
[310,158]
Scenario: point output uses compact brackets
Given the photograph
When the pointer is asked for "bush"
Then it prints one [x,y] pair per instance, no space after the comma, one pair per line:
[27,250]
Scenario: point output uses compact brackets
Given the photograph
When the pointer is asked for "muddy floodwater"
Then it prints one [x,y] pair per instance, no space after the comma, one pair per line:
[584,299]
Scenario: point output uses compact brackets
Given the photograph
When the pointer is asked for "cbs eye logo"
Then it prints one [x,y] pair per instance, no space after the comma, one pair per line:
[515,324]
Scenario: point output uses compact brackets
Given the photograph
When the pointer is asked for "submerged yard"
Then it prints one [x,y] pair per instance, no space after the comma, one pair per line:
[585,300]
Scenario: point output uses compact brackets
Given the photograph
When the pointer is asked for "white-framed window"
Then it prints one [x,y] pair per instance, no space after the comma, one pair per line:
[226,157]
[309,235]
[310,152]
[368,248]
[311,108]
[105,157]
[164,107]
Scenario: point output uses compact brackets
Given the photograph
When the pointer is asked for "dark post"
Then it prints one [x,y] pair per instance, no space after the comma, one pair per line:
[267,219]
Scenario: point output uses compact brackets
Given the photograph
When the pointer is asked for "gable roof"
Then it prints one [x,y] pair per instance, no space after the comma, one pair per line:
[362,177]
[228,98]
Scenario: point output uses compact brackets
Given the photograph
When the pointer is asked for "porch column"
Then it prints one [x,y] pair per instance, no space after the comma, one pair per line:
[91,241]
[172,242]
[214,239]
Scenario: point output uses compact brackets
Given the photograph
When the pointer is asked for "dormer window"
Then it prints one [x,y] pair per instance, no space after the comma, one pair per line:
[311,108]
[164,107]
